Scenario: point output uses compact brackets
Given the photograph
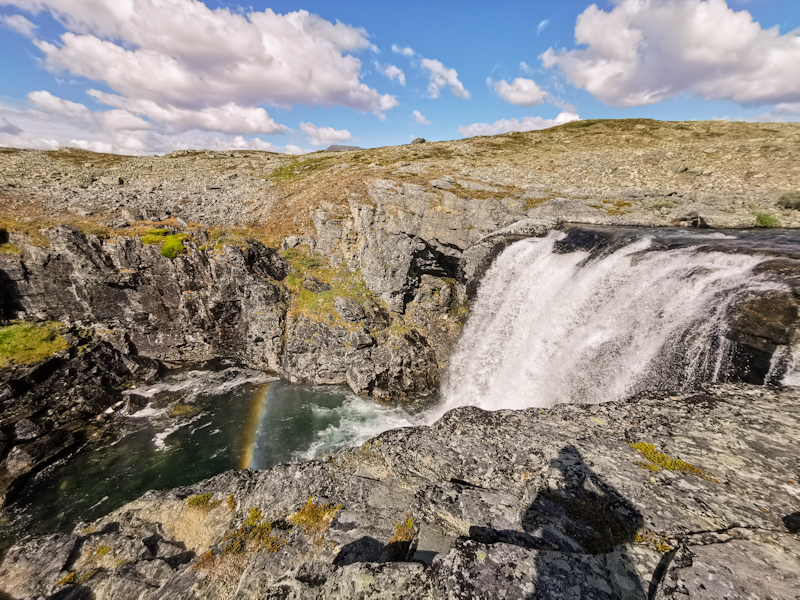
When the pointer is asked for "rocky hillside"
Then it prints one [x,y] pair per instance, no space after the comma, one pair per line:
[689,496]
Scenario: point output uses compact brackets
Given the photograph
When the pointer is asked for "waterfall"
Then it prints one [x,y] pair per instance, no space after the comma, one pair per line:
[550,326]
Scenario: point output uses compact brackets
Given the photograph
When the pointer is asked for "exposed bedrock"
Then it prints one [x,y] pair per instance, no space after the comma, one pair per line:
[689,496]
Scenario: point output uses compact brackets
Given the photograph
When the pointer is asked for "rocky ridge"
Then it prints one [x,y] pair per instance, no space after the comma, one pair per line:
[690,496]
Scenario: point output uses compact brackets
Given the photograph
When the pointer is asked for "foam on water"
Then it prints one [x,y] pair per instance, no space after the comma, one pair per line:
[550,326]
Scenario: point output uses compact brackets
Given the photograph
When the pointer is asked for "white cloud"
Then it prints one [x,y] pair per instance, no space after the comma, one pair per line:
[292,149]
[322,136]
[19,24]
[52,103]
[783,112]
[393,72]
[645,51]
[228,117]
[522,92]
[181,55]
[53,122]
[542,26]
[441,77]
[420,118]
[404,51]
[508,125]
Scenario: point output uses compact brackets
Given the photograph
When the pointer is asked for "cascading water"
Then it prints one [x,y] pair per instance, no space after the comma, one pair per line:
[550,326]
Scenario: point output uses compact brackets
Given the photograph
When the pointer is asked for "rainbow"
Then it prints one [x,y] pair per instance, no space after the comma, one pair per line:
[251,426]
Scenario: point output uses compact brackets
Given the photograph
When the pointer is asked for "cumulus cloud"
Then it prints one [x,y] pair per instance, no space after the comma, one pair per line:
[420,118]
[323,136]
[646,51]
[441,77]
[508,125]
[187,67]
[393,72]
[404,51]
[19,24]
[190,56]
[229,117]
[522,92]
[51,122]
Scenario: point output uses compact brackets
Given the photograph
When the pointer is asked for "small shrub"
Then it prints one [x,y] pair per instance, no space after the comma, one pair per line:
[790,200]
[766,220]
[202,502]
[404,532]
[253,518]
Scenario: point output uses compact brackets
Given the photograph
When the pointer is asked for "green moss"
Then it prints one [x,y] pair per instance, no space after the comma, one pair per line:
[173,245]
[102,551]
[154,236]
[254,517]
[660,460]
[231,502]
[766,220]
[68,579]
[9,249]
[25,343]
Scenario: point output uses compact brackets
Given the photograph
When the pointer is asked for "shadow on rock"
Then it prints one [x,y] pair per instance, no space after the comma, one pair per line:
[572,544]
[585,515]
[367,549]
[792,522]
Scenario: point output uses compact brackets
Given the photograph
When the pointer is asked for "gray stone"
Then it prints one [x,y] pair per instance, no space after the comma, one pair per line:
[418,141]
[349,309]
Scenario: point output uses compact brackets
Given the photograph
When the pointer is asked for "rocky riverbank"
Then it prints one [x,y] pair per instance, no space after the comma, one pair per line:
[655,497]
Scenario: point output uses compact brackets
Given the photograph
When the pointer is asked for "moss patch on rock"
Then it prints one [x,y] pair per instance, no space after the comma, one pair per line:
[25,343]
[173,245]
[659,460]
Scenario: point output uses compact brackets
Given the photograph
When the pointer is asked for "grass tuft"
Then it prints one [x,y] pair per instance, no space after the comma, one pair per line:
[790,200]
[315,518]
[202,502]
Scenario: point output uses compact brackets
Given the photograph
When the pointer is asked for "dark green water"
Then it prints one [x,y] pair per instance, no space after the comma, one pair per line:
[226,419]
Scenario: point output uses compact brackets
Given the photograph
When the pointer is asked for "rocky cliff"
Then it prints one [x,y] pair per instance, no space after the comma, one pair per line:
[690,496]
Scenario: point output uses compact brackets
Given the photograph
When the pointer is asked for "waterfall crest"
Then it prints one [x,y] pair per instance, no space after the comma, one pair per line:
[549,326]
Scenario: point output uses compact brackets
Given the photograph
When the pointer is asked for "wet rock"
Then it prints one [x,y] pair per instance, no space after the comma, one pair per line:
[27,430]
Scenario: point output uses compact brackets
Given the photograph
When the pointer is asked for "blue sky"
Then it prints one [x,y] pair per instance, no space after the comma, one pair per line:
[148,76]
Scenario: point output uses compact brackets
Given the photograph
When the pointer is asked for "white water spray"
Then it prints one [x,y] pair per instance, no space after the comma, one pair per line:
[553,327]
